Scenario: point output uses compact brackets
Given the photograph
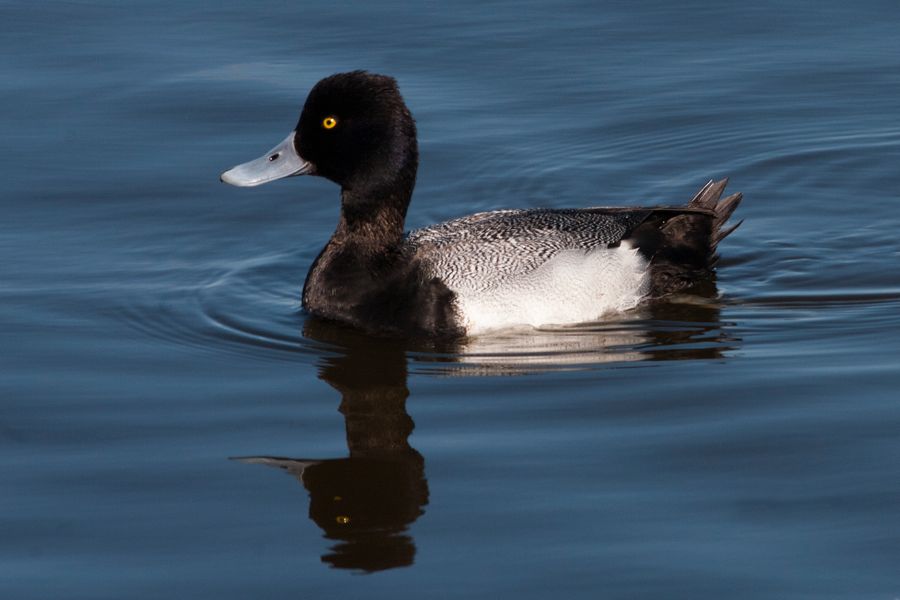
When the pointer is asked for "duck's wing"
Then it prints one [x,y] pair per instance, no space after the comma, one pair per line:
[483,250]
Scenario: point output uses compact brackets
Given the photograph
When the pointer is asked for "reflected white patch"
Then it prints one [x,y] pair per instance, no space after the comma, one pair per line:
[524,350]
[572,287]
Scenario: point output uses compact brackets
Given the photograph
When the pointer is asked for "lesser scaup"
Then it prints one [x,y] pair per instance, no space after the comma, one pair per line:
[481,272]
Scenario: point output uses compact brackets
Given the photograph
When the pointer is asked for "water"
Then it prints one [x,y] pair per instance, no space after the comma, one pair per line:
[163,393]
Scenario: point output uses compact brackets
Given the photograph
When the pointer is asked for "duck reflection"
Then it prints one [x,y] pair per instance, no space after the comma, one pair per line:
[367,500]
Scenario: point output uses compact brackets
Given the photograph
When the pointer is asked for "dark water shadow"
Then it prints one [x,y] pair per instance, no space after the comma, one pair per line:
[367,501]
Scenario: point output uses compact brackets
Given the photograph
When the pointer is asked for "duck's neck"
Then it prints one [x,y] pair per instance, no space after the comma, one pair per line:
[372,220]
[374,203]
[358,260]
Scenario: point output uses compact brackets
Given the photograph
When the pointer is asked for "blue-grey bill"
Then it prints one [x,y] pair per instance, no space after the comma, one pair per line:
[279,162]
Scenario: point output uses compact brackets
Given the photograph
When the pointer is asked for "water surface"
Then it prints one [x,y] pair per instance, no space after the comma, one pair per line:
[174,425]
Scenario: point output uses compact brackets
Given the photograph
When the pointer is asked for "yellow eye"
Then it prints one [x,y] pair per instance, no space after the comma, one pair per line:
[329,123]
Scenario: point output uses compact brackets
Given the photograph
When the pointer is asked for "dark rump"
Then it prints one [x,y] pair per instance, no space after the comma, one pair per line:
[681,243]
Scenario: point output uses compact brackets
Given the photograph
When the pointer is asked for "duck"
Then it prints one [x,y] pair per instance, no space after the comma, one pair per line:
[477,274]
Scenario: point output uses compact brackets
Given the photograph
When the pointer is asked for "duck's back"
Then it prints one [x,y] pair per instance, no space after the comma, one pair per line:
[487,250]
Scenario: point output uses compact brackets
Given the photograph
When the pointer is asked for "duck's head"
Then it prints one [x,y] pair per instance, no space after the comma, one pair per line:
[355,130]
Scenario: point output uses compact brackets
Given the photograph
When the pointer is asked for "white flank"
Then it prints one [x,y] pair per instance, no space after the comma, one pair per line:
[572,287]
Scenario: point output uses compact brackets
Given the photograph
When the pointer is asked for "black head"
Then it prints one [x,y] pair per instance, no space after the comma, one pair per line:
[356,130]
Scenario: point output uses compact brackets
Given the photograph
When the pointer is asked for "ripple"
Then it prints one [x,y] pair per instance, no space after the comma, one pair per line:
[253,310]
[832,299]
[246,310]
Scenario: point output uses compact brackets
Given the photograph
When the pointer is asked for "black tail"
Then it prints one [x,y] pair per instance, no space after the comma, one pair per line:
[708,198]
[681,242]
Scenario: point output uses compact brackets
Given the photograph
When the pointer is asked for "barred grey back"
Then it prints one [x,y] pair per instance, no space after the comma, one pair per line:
[482,251]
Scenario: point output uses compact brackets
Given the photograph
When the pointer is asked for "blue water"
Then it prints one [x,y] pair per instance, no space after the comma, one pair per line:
[172,425]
